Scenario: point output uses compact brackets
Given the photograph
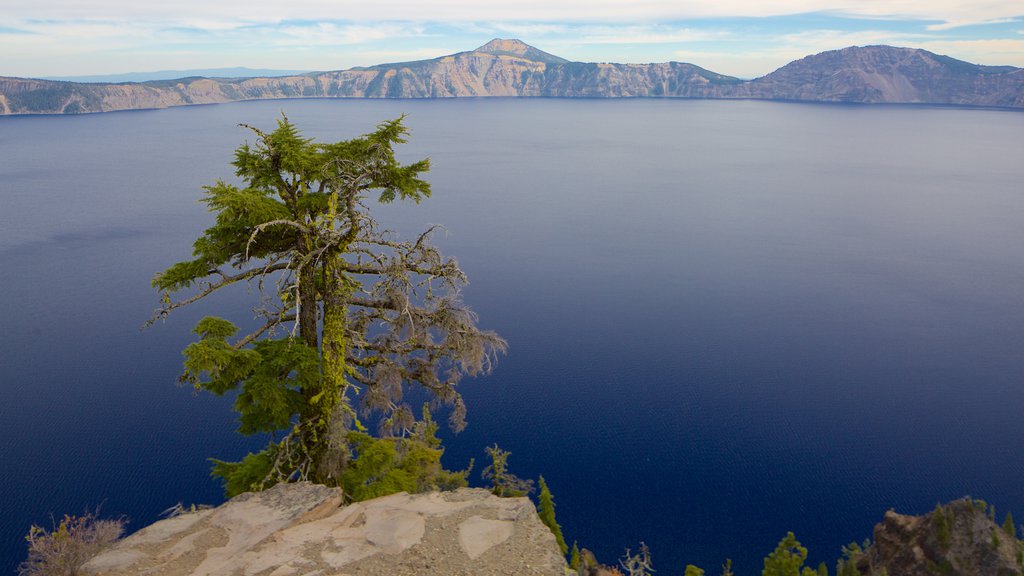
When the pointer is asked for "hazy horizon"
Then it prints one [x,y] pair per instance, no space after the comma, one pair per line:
[741,38]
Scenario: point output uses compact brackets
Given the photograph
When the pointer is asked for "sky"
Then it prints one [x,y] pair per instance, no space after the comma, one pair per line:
[745,38]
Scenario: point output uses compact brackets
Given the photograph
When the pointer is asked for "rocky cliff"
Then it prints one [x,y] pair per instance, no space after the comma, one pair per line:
[302,530]
[958,539]
[873,74]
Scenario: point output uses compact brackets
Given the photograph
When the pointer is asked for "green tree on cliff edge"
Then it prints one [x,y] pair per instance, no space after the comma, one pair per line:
[788,560]
[546,511]
[346,310]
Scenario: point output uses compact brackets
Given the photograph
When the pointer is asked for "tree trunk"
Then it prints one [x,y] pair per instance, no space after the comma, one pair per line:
[330,406]
[307,295]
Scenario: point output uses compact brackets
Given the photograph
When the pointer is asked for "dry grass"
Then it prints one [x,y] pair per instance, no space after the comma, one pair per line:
[62,550]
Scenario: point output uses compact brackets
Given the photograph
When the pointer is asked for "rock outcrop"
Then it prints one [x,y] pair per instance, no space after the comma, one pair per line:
[302,530]
[958,539]
[872,74]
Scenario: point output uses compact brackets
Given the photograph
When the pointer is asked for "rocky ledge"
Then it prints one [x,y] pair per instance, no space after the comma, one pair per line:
[961,538]
[303,530]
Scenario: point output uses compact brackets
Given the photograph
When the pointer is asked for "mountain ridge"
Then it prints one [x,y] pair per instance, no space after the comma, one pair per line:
[155,75]
[512,68]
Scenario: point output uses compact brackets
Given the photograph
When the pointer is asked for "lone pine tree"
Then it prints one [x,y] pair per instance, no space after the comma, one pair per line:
[349,316]
[546,511]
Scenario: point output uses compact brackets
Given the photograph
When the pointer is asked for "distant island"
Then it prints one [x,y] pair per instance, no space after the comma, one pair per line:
[869,74]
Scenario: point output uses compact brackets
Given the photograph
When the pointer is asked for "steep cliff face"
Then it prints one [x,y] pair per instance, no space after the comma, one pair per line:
[872,74]
[957,539]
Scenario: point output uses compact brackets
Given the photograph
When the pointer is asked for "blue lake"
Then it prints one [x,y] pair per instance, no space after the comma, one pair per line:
[727,320]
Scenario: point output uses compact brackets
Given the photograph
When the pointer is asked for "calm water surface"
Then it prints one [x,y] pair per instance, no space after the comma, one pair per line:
[727,319]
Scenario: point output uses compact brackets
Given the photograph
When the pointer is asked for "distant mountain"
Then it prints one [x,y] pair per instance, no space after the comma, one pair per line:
[873,74]
[884,74]
[237,72]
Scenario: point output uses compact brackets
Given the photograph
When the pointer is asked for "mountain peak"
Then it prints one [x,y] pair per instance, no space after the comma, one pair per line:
[515,47]
[506,46]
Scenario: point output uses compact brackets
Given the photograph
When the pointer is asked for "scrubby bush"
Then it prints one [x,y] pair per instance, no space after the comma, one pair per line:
[503,482]
[62,550]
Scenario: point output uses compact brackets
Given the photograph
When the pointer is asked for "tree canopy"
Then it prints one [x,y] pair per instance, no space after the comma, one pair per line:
[349,316]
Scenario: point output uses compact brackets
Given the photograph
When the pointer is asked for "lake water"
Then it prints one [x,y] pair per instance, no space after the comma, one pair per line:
[727,319]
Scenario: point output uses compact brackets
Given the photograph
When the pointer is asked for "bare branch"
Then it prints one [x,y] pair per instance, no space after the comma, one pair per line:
[263,226]
[213,287]
[262,329]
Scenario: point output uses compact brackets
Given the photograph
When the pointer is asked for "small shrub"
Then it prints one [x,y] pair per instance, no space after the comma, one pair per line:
[383,466]
[574,557]
[638,564]
[63,550]
[943,530]
[1009,527]
[504,483]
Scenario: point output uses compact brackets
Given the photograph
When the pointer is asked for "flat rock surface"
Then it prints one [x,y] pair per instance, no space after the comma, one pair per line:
[302,530]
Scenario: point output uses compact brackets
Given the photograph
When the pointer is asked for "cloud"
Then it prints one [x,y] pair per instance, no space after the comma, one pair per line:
[737,59]
[332,34]
[606,34]
[943,12]
[647,35]
[997,51]
[6,30]
[812,41]
[101,36]
[960,24]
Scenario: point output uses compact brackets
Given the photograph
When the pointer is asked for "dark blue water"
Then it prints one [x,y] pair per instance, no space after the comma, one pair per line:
[727,319]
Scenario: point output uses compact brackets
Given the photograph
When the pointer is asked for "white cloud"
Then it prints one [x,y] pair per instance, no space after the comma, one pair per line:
[960,23]
[813,41]
[527,30]
[646,35]
[331,34]
[73,37]
[57,48]
[995,52]
[952,12]
[735,59]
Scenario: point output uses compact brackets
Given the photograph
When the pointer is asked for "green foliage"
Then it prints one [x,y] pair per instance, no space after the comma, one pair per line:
[1009,527]
[852,552]
[246,475]
[787,559]
[943,525]
[994,541]
[847,568]
[574,557]
[546,511]
[503,482]
[727,568]
[383,466]
[692,570]
[377,469]
[346,310]
[822,569]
